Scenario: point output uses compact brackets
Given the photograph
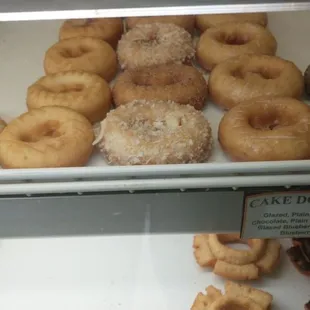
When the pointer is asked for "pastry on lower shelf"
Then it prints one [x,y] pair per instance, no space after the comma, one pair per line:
[236,296]
[299,255]
[307,306]
[261,258]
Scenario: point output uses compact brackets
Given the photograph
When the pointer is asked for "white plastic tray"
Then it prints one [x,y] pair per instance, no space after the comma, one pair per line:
[121,272]
[22,49]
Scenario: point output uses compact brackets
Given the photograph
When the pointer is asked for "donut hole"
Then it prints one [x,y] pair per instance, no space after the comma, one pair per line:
[62,87]
[235,242]
[262,72]
[49,129]
[265,122]
[233,38]
[76,52]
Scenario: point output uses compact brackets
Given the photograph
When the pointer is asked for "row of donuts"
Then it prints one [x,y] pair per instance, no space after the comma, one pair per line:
[66,85]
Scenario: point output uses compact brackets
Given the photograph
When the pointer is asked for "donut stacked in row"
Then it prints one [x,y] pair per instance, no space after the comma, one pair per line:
[159,94]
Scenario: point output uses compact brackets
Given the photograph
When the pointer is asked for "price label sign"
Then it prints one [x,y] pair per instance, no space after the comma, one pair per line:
[276,215]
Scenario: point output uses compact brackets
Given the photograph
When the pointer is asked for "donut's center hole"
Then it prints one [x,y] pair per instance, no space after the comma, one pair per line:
[64,87]
[266,123]
[49,129]
[233,38]
[76,52]
[264,73]
[238,246]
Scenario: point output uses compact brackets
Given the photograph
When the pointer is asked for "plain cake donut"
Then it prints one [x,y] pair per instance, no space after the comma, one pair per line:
[46,138]
[82,53]
[154,44]
[179,83]
[107,29]
[84,92]
[206,21]
[228,40]
[155,133]
[247,77]
[266,129]
[184,21]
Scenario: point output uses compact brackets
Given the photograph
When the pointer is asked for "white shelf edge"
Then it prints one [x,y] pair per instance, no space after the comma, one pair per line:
[154,184]
[153,11]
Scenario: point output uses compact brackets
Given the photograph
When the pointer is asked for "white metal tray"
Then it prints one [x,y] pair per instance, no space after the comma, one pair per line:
[121,272]
[22,49]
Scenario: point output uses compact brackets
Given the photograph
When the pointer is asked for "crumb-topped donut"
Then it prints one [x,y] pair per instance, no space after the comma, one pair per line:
[247,77]
[84,92]
[179,83]
[228,40]
[266,129]
[107,29]
[184,21]
[154,133]
[206,21]
[154,44]
[45,138]
[82,53]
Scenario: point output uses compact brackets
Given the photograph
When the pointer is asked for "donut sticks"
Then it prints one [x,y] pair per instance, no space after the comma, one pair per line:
[261,258]
[236,296]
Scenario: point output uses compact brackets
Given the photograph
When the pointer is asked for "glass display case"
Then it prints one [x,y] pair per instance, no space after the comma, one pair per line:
[135,236]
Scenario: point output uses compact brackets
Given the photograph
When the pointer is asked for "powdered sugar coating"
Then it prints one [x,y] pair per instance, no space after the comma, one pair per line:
[154,44]
[155,132]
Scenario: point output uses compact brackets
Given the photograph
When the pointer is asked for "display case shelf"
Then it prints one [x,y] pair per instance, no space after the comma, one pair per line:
[57,9]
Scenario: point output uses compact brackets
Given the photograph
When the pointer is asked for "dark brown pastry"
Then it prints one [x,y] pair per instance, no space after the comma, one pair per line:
[299,255]
[307,306]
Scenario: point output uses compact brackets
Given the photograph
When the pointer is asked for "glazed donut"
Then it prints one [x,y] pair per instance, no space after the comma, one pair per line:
[178,83]
[184,21]
[155,133]
[247,77]
[2,124]
[228,40]
[82,53]
[206,21]
[154,44]
[266,129]
[84,92]
[45,138]
[107,29]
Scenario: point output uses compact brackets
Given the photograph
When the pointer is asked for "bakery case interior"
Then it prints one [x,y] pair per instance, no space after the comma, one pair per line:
[93,108]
